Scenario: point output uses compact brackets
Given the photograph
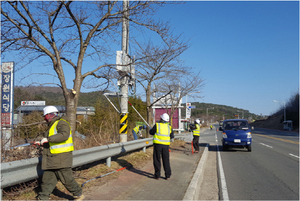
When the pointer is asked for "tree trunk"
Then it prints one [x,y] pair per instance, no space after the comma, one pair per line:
[71,98]
[149,109]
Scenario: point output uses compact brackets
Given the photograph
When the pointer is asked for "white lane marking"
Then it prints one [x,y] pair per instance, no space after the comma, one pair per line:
[294,155]
[266,145]
[222,176]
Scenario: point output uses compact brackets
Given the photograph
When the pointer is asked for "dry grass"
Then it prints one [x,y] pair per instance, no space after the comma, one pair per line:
[135,159]
[29,190]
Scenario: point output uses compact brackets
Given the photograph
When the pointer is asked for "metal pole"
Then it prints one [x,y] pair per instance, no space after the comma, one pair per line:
[111,103]
[139,115]
[124,79]
[207,115]
[284,115]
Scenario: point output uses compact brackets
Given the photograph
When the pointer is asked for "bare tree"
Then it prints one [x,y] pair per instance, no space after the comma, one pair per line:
[160,65]
[66,36]
[178,87]
[155,64]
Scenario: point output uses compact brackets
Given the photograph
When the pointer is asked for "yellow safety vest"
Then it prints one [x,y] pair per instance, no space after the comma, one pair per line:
[162,135]
[136,129]
[60,147]
[197,130]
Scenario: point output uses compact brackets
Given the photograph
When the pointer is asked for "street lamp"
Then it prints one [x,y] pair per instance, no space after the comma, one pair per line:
[284,114]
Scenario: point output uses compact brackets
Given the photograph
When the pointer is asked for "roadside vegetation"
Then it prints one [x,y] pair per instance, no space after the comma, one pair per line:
[29,190]
[275,121]
[99,129]
[89,175]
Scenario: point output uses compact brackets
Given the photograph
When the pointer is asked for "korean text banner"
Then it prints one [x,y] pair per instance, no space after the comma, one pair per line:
[7,94]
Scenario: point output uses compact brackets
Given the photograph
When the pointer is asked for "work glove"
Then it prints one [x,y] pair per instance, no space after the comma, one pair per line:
[36,143]
[43,141]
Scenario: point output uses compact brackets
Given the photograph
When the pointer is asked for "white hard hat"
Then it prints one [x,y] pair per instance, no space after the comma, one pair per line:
[198,121]
[165,117]
[50,109]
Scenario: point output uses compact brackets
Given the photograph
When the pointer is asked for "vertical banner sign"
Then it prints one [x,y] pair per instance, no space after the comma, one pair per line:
[7,102]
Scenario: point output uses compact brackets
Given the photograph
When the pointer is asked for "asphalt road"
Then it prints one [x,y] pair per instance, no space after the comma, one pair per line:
[269,172]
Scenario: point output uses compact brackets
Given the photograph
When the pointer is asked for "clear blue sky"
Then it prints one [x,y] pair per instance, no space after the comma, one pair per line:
[247,52]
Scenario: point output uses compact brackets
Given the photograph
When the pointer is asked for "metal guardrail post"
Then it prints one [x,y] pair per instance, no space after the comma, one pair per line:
[108,162]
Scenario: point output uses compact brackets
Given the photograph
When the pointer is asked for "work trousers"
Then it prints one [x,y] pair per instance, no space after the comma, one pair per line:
[161,151]
[50,179]
[134,135]
[196,142]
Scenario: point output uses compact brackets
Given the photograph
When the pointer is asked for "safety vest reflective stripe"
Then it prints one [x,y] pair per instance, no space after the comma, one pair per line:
[162,135]
[60,147]
[136,129]
[197,130]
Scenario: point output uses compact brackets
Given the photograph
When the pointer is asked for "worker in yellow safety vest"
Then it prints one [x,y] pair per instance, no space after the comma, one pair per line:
[162,134]
[57,157]
[196,135]
[137,131]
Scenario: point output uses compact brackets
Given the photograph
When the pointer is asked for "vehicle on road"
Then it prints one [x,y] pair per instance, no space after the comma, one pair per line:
[236,133]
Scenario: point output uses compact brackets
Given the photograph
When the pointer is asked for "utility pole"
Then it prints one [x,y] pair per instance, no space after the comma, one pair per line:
[207,113]
[124,75]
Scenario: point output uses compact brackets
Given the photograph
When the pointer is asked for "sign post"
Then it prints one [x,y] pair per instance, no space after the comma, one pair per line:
[188,111]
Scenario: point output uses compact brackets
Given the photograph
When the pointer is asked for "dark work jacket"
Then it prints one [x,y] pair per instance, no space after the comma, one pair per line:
[62,160]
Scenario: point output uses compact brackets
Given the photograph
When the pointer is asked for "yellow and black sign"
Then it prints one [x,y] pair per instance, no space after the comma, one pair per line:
[123,123]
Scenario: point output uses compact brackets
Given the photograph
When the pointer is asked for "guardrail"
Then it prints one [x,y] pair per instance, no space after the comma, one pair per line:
[20,171]
[16,172]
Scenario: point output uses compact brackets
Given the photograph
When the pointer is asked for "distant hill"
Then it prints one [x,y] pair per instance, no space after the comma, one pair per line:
[54,96]
[220,112]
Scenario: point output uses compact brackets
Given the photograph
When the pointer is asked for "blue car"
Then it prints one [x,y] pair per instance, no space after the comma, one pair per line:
[236,133]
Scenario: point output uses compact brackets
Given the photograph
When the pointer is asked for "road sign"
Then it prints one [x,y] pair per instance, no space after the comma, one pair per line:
[188,111]
[33,102]
[192,107]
